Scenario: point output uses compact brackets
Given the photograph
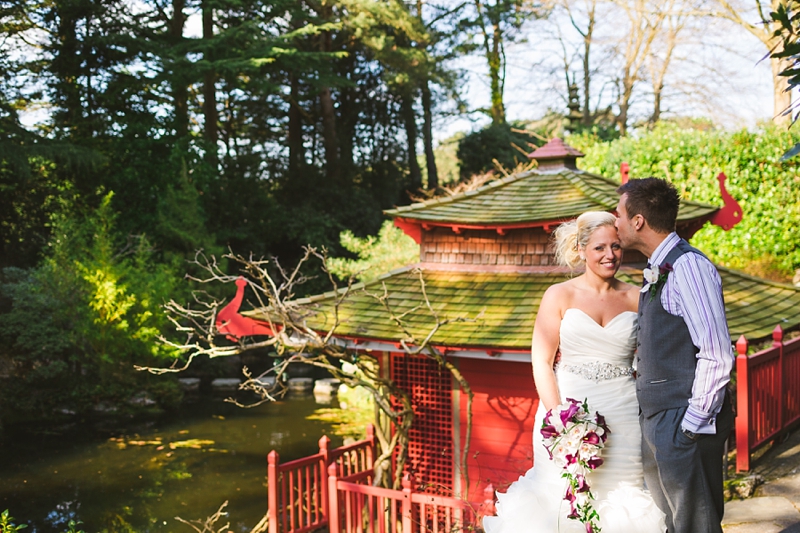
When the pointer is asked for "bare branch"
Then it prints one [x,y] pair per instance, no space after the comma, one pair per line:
[294,340]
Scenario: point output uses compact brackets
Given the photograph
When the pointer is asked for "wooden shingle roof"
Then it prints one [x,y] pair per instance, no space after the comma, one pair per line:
[530,197]
[496,310]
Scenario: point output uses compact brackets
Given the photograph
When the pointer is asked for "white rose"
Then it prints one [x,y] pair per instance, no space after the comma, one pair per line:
[650,275]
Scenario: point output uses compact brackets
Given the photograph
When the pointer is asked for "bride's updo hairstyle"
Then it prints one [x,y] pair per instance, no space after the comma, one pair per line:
[571,237]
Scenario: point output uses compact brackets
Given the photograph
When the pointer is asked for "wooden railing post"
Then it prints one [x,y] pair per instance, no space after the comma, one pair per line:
[742,407]
[334,525]
[371,447]
[407,508]
[272,490]
[777,342]
[324,451]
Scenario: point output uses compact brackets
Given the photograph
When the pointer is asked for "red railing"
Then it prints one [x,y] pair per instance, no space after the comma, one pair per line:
[359,508]
[768,394]
[297,491]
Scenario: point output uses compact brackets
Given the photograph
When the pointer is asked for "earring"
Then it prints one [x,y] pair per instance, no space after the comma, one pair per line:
[583,257]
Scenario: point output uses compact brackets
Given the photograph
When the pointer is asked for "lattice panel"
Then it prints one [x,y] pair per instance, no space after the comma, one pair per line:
[431,438]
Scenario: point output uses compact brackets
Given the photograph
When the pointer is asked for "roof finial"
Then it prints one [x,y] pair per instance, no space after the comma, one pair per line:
[556,155]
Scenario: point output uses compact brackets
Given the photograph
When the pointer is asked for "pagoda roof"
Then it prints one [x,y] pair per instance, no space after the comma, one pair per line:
[528,199]
[495,310]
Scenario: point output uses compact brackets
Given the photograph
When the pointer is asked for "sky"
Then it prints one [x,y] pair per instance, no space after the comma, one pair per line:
[723,71]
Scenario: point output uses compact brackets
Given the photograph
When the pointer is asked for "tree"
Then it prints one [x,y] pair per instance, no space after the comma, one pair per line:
[754,16]
[498,24]
[497,144]
[787,31]
[645,22]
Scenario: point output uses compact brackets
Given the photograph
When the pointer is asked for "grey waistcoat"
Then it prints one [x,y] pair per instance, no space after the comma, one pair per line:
[666,354]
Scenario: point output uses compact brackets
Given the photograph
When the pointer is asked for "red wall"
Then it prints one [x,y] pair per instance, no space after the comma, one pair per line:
[503,408]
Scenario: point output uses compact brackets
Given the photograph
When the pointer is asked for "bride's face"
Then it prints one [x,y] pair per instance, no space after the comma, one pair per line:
[603,252]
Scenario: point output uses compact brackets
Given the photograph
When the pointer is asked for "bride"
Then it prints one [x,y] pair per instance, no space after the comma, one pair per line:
[590,321]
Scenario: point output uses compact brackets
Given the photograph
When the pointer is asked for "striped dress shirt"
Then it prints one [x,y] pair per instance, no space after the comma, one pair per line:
[693,291]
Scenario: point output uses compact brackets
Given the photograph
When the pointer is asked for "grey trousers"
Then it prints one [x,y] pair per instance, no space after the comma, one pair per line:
[685,475]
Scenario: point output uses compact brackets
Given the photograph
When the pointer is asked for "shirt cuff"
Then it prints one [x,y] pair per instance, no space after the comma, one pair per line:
[700,422]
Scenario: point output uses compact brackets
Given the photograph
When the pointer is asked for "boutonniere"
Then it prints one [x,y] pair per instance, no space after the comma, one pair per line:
[655,278]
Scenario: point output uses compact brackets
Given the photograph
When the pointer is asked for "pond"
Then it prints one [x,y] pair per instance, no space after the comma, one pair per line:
[120,477]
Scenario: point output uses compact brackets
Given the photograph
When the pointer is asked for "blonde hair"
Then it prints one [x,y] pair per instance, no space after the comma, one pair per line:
[570,237]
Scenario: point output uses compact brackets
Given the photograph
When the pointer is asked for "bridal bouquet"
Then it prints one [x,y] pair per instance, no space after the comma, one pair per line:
[574,439]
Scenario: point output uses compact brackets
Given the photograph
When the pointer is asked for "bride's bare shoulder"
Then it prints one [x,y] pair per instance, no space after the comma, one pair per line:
[560,294]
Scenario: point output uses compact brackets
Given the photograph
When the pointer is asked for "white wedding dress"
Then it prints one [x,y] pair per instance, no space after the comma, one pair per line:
[595,365]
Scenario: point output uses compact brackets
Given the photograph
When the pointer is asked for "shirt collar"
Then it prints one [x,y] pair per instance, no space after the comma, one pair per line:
[663,249]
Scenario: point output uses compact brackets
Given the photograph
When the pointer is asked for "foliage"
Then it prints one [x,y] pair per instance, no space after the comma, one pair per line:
[72,527]
[80,320]
[764,243]
[7,523]
[391,249]
[478,150]
[787,17]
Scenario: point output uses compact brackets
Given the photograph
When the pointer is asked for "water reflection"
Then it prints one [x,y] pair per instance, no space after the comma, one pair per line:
[137,477]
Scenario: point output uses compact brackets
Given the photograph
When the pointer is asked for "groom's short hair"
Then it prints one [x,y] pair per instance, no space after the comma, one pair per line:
[655,199]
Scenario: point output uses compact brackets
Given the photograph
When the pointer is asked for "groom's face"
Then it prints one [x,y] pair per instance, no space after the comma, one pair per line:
[625,229]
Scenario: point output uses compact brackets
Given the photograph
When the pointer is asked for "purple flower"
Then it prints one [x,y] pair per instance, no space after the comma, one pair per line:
[591,437]
[568,413]
[601,420]
[594,462]
[664,269]
[583,486]
[570,497]
[548,431]
[589,527]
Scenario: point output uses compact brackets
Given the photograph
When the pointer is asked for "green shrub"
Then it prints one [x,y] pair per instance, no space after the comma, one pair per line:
[7,524]
[376,255]
[80,321]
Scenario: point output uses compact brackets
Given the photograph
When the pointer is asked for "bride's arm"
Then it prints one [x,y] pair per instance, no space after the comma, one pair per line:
[544,346]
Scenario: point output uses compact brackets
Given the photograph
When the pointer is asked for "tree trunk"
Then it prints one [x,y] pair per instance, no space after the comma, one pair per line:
[624,105]
[296,150]
[495,60]
[427,137]
[209,88]
[656,116]
[328,113]
[348,113]
[329,132]
[782,99]
[66,67]
[410,119]
[180,93]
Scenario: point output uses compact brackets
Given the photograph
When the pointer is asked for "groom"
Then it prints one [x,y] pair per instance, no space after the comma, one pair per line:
[684,359]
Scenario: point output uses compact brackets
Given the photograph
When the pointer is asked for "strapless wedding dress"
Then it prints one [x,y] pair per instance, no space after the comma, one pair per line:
[595,365]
